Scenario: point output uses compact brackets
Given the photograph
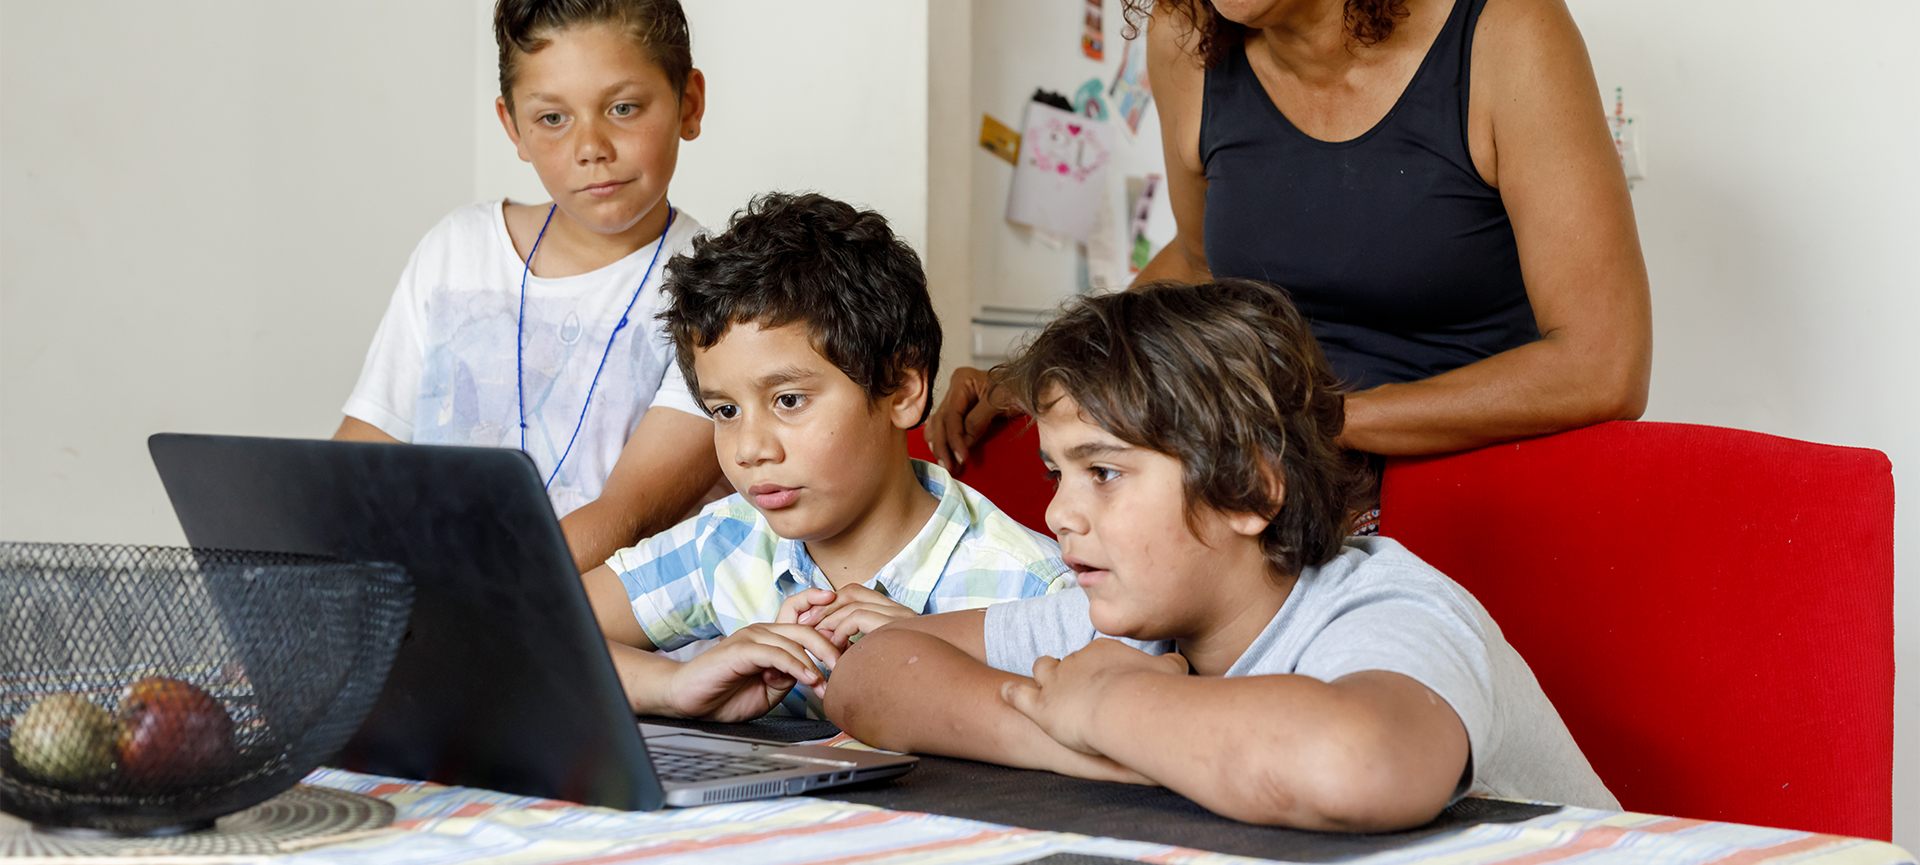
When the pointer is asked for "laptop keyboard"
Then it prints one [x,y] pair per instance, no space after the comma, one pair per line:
[684,765]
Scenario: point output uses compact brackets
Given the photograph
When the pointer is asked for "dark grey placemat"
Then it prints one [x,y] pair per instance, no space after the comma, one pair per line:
[1046,801]
[1057,803]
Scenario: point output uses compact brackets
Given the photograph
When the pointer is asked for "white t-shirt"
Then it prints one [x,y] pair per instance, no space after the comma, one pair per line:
[442,365]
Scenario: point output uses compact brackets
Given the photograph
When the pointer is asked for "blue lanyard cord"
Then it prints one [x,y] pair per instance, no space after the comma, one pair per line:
[520,340]
[519,336]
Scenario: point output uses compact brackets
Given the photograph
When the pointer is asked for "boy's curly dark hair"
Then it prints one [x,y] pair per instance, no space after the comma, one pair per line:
[659,27]
[1225,377]
[807,258]
[1369,22]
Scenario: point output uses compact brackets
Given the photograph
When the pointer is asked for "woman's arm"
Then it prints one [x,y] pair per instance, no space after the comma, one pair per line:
[1179,83]
[1535,117]
[665,467]
[906,687]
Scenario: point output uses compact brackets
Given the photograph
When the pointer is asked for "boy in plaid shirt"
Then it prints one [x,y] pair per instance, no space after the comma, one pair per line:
[807,333]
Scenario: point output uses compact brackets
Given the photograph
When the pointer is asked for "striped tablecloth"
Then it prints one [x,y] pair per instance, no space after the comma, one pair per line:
[457,824]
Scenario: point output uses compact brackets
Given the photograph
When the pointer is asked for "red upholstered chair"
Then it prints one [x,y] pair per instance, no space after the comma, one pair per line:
[1711,610]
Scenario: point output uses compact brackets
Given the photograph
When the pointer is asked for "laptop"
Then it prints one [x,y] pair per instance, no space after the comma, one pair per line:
[503,680]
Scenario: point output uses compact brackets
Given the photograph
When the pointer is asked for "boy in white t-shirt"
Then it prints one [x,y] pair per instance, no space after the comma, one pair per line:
[532,326]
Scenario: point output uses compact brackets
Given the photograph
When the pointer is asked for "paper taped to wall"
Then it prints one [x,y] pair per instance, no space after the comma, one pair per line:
[1132,92]
[1062,171]
[999,139]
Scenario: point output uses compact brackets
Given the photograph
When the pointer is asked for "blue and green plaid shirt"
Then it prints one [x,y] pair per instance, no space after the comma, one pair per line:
[725,569]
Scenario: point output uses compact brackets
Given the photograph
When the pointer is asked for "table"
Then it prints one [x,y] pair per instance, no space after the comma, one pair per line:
[455,824]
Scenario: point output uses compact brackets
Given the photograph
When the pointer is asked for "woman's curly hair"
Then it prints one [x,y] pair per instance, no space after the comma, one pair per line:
[1369,22]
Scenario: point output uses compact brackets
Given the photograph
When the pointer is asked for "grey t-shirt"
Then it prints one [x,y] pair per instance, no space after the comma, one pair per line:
[1376,606]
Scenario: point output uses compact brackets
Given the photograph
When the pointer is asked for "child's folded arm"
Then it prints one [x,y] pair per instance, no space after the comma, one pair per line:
[906,688]
[1370,751]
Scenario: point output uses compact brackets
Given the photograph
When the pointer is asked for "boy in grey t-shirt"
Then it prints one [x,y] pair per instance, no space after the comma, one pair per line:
[1264,666]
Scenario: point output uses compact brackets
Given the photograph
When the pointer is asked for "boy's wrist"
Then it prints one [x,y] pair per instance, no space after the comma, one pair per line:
[1115,697]
[648,680]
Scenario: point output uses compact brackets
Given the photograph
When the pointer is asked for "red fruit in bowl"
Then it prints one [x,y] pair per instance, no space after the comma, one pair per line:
[172,734]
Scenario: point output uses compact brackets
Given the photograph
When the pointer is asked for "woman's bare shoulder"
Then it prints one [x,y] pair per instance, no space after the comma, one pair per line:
[1533,84]
[1179,78]
[1518,41]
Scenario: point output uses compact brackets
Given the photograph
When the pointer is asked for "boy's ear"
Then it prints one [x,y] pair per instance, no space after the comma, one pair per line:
[693,105]
[1252,525]
[513,130]
[1247,525]
[905,404]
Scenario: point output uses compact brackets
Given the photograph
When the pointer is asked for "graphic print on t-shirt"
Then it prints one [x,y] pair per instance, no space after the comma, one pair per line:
[441,369]
[468,395]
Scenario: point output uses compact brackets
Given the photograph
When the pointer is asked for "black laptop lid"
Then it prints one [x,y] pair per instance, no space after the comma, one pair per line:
[503,681]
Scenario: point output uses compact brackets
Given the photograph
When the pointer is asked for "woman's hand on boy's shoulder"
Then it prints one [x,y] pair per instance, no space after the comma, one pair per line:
[745,675]
[842,615]
[1067,695]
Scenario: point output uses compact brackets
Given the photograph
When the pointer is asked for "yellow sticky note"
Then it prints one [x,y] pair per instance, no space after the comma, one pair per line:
[999,139]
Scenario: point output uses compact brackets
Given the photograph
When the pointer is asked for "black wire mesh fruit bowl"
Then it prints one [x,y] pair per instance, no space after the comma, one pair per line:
[149,690]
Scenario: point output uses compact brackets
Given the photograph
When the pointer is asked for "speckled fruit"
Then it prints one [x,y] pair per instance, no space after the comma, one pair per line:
[65,741]
[172,734]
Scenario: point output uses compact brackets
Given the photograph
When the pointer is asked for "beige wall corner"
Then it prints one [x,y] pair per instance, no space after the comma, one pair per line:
[950,132]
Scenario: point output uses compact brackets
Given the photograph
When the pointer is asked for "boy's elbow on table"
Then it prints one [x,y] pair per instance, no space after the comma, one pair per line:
[854,702]
[1350,782]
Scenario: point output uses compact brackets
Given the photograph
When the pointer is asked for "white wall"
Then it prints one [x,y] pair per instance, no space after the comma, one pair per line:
[951,123]
[1778,216]
[1020,45]
[204,205]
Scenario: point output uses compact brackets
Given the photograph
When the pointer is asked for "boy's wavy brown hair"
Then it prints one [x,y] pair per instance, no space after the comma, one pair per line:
[658,27]
[1369,22]
[1225,377]
[836,269]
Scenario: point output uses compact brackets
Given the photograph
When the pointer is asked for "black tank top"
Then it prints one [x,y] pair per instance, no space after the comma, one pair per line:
[1391,244]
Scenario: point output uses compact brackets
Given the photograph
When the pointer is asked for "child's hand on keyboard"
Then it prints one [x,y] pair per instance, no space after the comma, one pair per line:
[746,675]
[840,616]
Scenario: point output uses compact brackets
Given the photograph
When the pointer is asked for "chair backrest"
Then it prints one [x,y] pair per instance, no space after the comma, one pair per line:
[1005,467]
[1711,610]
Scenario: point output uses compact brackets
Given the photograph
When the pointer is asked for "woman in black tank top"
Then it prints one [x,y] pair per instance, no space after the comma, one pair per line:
[1431,180]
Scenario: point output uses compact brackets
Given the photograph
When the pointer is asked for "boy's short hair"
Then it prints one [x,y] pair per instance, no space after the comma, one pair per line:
[1225,377]
[841,272]
[659,27]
